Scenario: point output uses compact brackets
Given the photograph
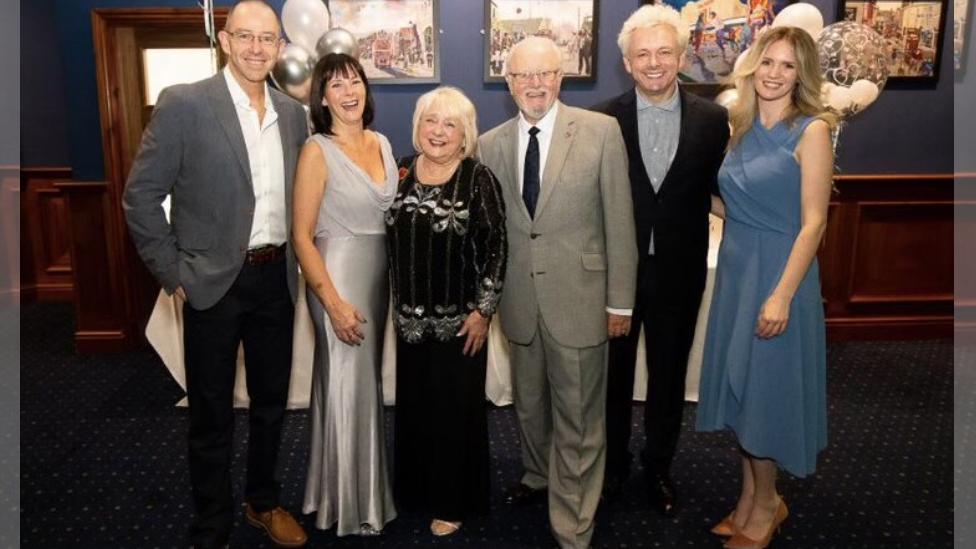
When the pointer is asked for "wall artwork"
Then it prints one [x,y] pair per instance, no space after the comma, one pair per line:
[572,24]
[398,39]
[720,31]
[912,32]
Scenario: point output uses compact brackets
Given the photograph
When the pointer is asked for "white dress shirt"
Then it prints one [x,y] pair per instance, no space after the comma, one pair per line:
[544,136]
[267,163]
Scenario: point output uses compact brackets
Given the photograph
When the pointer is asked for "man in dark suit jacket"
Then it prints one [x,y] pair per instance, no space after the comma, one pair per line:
[225,149]
[675,145]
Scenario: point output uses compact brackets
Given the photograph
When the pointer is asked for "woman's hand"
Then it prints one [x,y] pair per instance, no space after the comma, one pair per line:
[475,327]
[773,315]
[346,321]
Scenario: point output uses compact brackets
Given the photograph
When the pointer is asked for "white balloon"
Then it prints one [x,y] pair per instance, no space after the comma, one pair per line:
[825,91]
[727,97]
[840,99]
[863,93]
[801,15]
[305,21]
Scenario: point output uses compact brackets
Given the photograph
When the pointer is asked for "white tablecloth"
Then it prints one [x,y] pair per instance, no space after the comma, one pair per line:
[165,333]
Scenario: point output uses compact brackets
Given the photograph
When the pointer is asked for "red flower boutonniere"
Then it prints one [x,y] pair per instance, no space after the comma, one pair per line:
[403,173]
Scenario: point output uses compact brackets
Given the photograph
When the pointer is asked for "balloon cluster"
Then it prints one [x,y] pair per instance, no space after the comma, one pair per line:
[306,24]
[853,57]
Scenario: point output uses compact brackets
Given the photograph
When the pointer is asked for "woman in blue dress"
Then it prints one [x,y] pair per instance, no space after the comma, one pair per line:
[764,369]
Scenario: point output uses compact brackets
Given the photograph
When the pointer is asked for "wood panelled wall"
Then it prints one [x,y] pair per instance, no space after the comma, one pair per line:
[886,261]
[46,271]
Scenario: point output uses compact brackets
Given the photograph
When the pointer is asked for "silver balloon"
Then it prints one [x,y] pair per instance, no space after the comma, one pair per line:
[337,40]
[850,52]
[292,72]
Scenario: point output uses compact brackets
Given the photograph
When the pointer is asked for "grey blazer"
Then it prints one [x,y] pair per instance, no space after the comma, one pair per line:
[579,255]
[194,149]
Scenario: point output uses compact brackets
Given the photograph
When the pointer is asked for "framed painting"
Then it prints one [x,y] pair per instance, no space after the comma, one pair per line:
[720,31]
[912,31]
[572,24]
[962,10]
[398,39]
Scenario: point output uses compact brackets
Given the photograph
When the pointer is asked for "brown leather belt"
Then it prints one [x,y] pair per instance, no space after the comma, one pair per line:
[264,254]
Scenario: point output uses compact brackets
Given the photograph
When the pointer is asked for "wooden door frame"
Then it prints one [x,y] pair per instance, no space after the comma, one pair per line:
[115,293]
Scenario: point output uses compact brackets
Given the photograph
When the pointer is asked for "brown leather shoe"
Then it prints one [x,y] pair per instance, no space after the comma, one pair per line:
[281,527]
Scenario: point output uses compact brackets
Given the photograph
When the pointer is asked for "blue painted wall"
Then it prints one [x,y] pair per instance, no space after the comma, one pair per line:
[905,131]
[43,129]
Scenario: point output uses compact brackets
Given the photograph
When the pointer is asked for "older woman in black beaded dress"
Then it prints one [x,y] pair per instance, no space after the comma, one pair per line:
[447,245]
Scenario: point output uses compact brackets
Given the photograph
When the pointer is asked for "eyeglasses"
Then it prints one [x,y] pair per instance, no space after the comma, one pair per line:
[246,38]
[545,77]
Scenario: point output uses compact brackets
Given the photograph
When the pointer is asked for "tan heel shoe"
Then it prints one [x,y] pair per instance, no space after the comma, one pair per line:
[727,527]
[441,528]
[741,541]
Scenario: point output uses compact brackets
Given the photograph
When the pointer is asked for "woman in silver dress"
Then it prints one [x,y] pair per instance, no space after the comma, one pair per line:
[345,181]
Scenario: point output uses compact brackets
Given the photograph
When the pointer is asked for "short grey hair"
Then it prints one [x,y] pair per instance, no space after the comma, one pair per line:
[542,41]
[455,105]
[652,16]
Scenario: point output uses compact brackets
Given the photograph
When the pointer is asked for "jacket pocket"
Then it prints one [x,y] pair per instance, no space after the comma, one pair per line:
[594,261]
[195,240]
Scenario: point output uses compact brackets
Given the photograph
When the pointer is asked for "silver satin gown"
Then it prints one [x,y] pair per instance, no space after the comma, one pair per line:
[348,481]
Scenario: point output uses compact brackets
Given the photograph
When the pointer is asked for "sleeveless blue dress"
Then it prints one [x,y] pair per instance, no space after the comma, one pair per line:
[770,392]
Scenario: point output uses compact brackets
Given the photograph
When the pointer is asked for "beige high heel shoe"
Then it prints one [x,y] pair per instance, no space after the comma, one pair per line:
[741,541]
[727,527]
[441,528]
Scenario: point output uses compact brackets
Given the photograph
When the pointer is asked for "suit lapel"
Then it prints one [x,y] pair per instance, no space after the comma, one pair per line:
[631,134]
[684,137]
[563,132]
[509,140]
[288,151]
[226,115]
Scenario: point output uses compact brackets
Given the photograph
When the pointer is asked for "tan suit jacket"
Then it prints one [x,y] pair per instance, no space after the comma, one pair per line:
[579,255]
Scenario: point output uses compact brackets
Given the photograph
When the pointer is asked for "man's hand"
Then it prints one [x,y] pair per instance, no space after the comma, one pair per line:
[617,325]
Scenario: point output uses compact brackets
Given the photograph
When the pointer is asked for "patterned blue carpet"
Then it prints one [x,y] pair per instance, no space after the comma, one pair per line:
[103,460]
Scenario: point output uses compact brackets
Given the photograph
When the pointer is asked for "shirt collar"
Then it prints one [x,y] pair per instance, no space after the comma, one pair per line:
[671,104]
[239,96]
[545,125]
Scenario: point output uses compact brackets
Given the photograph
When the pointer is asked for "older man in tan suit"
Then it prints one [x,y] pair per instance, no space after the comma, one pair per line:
[571,282]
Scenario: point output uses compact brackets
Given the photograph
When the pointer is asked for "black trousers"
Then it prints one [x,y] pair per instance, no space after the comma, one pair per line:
[441,457]
[668,317]
[258,312]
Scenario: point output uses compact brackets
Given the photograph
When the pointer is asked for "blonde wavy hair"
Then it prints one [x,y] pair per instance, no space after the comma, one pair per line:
[806,95]
[453,104]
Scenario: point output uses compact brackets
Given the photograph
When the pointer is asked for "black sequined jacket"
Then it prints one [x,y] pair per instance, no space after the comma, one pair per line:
[447,249]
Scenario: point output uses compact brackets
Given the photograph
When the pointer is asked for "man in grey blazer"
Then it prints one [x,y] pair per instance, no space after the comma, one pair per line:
[225,149]
[571,275]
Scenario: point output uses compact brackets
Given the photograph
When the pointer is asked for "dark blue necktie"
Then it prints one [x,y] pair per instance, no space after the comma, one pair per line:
[530,176]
